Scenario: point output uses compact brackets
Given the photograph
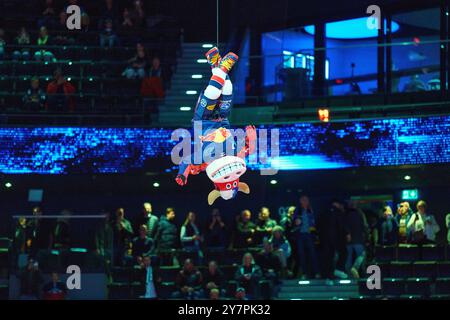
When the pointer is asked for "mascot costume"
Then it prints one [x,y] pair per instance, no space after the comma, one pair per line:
[211,114]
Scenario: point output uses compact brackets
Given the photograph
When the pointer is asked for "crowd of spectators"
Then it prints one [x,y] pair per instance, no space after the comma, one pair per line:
[333,244]
[113,25]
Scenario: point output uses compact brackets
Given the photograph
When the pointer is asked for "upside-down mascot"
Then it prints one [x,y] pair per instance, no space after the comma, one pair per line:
[224,167]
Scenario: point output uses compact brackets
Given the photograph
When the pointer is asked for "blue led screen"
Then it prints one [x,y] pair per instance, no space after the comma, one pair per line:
[303,146]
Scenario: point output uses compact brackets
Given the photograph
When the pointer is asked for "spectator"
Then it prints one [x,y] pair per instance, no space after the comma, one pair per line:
[281,248]
[404,213]
[216,231]
[104,238]
[356,231]
[447,223]
[188,282]
[2,43]
[30,280]
[55,289]
[41,231]
[142,245]
[240,294]
[122,233]
[108,37]
[137,14]
[423,226]
[34,98]
[374,235]
[245,230]
[248,275]
[62,231]
[270,265]
[191,237]
[85,22]
[63,37]
[154,83]
[127,23]
[213,278]
[103,243]
[48,15]
[109,12]
[22,39]
[290,231]
[148,219]
[137,64]
[74,3]
[305,222]
[389,227]
[149,277]
[152,87]
[60,93]
[264,225]
[167,235]
[214,294]
[330,227]
[21,237]
[43,40]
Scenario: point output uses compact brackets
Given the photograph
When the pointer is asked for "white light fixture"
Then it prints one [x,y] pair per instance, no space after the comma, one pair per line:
[273,181]
[185,108]
[69,79]
[191,92]
[8,185]
[303,282]
[407,178]
[345,281]
[202,61]
[207,45]
[156,185]
[197,76]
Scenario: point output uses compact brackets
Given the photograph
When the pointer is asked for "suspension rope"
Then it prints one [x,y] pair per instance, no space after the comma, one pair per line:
[217,23]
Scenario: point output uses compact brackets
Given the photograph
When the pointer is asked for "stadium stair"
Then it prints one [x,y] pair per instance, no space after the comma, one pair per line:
[182,81]
[318,290]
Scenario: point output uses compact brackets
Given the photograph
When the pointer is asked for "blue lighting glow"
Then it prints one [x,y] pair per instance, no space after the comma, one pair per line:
[302,146]
[351,29]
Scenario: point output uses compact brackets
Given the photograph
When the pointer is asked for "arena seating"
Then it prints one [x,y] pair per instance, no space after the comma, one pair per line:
[401,279]
[411,272]
[95,72]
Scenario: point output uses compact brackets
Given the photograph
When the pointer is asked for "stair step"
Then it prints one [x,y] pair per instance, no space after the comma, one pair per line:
[319,289]
[193,66]
[188,75]
[199,44]
[183,86]
[316,283]
[318,295]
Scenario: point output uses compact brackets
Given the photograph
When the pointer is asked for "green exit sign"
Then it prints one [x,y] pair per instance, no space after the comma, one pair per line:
[410,194]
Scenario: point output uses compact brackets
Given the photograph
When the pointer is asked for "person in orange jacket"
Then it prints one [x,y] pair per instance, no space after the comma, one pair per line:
[60,93]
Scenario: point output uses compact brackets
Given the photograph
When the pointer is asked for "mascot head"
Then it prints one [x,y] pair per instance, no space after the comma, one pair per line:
[225,173]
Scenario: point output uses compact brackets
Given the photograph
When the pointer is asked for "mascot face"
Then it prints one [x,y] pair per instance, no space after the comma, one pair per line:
[226,169]
[225,173]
